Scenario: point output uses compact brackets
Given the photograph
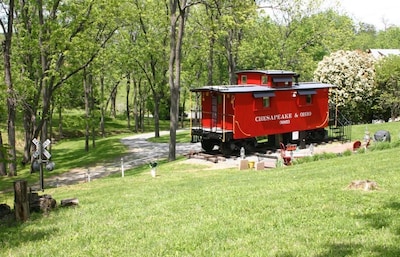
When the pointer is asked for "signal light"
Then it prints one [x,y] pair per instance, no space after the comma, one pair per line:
[35,165]
[50,166]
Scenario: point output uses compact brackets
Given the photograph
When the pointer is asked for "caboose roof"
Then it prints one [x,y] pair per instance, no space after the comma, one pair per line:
[268,72]
[258,88]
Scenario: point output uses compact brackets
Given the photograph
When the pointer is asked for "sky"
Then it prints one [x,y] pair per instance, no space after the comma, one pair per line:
[373,11]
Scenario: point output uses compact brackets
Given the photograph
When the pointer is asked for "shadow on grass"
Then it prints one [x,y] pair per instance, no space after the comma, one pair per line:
[13,234]
[344,249]
[69,155]
[381,218]
[384,217]
[340,250]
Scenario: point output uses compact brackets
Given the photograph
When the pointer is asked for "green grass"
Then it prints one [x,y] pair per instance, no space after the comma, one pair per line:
[302,210]
[188,210]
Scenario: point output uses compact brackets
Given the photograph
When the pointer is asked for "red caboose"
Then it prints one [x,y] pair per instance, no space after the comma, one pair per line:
[264,103]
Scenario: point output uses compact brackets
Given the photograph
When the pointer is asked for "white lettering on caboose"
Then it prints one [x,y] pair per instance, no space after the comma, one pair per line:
[283,118]
[305,114]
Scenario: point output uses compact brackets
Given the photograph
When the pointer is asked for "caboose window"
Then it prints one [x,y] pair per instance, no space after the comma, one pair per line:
[244,79]
[282,81]
[262,99]
[306,96]
[265,101]
[219,99]
[308,99]
[264,79]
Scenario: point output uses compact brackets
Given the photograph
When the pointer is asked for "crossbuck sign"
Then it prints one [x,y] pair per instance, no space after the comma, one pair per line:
[41,149]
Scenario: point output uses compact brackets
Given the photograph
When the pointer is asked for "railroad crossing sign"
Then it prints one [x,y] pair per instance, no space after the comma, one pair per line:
[38,154]
[41,148]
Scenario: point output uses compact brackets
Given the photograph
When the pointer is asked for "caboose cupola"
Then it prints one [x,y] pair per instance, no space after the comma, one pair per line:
[269,78]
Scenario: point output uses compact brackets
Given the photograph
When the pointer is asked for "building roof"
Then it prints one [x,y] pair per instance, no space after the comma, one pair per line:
[379,53]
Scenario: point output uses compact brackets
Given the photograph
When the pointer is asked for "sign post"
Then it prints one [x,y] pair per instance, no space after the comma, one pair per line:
[39,153]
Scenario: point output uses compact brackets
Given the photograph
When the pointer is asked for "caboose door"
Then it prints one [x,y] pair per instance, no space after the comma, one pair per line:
[214,112]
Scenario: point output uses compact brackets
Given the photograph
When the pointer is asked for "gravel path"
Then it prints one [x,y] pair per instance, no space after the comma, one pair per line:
[140,152]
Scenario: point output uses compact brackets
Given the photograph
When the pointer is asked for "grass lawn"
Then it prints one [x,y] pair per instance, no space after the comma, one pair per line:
[188,210]
[302,210]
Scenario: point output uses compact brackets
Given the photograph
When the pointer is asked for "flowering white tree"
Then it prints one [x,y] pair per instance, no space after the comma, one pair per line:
[352,72]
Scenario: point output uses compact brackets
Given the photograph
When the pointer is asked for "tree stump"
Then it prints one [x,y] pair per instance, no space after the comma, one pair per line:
[47,203]
[41,203]
[69,202]
[21,203]
[4,210]
[366,185]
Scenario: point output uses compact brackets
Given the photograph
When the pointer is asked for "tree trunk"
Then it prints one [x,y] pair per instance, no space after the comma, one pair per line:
[172,59]
[183,110]
[86,90]
[156,116]
[51,125]
[141,112]
[231,59]
[128,89]
[44,84]
[103,111]
[176,38]
[113,102]
[3,170]
[91,110]
[21,200]
[30,127]
[31,102]
[211,61]
[60,121]
[136,108]
[11,98]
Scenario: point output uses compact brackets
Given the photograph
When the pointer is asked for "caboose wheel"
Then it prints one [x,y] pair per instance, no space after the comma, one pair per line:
[250,145]
[207,145]
[227,148]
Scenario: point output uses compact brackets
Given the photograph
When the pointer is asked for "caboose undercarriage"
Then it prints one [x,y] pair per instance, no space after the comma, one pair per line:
[223,140]
[227,145]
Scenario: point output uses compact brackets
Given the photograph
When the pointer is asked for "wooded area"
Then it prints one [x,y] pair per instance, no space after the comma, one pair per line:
[62,55]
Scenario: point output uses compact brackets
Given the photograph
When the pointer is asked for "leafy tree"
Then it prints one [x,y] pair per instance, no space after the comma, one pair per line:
[352,72]
[388,85]
[297,34]
[389,38]
[258,49]
[200,48]
[56,41]
[365,37]
[149,41]
[234,17]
